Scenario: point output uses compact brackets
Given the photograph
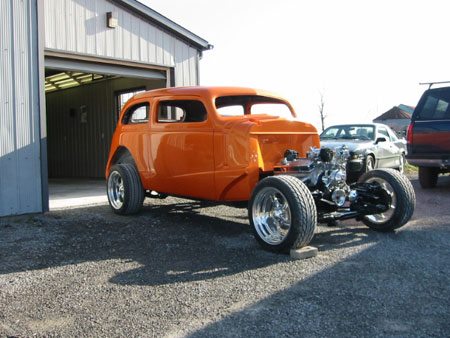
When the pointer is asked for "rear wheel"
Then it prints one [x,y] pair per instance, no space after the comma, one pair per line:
[428,177]
[124,189]
[282,213]
[403,199]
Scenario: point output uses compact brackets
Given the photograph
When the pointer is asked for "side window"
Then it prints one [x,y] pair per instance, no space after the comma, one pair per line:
[382,132]
[436,106]
[137,114]
[181,111]
[393,136]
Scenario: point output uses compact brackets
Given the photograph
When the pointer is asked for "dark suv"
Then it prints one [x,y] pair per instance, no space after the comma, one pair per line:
[428,136]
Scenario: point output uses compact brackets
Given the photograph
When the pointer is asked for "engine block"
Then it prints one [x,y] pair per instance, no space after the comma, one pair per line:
[323,169]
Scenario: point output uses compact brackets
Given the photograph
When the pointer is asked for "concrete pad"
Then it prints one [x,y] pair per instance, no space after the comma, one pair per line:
[304,253]
[74,193]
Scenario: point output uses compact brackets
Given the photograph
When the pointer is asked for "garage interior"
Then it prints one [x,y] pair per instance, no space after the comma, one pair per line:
[65,66]
[83,102]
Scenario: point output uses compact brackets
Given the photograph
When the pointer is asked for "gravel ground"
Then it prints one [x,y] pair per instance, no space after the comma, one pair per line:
[183,268]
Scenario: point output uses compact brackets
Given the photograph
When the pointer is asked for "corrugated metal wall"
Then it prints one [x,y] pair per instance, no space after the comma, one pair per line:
[79,26]
[20,171]
[80,149]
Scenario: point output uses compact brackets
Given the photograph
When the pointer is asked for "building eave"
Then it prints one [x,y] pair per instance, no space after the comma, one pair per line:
[165,22]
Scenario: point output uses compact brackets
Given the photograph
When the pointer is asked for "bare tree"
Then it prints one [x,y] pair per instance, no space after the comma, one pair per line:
[323,116]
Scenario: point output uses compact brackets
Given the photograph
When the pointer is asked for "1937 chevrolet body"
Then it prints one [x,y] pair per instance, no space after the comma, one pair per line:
[230,144]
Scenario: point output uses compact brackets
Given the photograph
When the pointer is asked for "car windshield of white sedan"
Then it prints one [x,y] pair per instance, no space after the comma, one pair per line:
[348,133]
[251,105]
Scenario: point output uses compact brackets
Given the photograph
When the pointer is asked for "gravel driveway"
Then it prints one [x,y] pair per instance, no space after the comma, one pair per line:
[182,268]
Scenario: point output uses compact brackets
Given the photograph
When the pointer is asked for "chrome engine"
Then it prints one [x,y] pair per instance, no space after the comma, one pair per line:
[323,169]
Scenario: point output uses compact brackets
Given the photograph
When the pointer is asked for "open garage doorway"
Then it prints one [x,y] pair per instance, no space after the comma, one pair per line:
[83,101]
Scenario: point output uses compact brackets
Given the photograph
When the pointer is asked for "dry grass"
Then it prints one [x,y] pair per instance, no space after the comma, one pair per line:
[411,169]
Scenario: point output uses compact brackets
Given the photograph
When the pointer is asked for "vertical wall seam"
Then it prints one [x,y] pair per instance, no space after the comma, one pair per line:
[34,104]
[13,103]
[40,101]
[32,124]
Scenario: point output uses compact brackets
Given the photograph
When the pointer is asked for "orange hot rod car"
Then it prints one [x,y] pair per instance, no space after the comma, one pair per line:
[239,144]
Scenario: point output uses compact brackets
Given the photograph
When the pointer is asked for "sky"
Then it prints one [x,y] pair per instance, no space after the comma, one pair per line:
[364,57]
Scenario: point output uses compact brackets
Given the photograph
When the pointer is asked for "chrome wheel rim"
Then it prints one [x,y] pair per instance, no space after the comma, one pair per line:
[116,191]
[271,215]
[387,215]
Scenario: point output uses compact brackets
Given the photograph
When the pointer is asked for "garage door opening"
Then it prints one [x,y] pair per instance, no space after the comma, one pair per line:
[82,109]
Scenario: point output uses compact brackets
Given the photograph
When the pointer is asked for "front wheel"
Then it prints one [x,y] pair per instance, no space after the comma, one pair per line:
[282,213]
[403,199]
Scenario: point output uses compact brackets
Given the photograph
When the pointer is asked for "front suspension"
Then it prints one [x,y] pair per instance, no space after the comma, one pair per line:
[370,199]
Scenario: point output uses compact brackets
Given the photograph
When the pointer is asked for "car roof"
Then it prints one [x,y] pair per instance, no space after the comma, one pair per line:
[358,125]
[211,92]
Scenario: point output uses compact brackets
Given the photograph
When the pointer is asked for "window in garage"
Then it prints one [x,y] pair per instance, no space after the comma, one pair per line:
[123,96]
[136,114]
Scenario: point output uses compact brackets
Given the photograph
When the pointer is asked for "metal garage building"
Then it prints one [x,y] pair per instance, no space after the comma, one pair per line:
[67,66]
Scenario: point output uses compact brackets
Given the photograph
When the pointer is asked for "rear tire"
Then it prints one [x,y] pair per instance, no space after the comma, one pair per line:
[428,177]
[124,189]
[403,200]
[282,213]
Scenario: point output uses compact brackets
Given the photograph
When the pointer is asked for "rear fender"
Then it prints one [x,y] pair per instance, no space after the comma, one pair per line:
[122,155]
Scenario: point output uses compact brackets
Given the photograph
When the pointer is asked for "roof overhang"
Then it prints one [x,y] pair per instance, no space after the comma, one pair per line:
[166,23]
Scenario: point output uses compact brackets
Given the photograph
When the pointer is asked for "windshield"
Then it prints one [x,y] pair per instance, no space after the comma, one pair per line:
[252,105]
[348,132]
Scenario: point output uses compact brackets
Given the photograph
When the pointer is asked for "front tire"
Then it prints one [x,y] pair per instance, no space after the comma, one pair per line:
[282,213]
[124,189]
[428,177]
[402,195]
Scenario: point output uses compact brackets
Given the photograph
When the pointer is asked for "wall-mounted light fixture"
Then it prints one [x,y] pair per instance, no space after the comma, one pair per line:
[111,20]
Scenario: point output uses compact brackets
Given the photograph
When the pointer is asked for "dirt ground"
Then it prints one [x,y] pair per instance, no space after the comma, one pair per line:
[184,268]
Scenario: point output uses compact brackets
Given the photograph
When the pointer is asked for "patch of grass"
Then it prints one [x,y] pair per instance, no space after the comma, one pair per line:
[411,169]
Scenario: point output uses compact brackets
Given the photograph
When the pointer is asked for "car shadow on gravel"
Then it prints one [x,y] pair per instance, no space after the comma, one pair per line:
[191,246]
[171,242]
[345,235]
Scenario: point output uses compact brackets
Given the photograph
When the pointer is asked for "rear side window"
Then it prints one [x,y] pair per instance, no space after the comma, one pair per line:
[181,111]
[136,114]
[383,133]
[393,135]
[435,106]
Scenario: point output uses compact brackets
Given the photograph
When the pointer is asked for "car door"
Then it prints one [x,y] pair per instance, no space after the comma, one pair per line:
[390,152]
[399,142]
[182,150]
[398,148]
